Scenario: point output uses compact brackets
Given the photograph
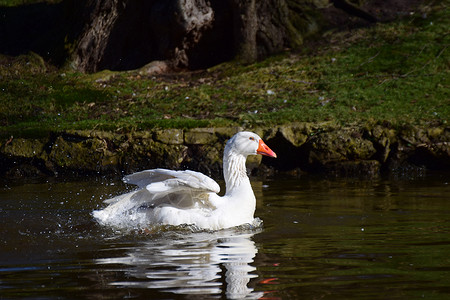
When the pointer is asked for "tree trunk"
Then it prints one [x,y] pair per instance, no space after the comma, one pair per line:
[245,28]
[127,34]
[94,40]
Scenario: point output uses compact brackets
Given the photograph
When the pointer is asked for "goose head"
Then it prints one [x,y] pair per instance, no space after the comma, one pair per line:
[248,143]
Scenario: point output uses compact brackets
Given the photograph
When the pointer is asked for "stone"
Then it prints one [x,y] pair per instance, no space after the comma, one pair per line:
[169,136]
[438,133]
[200,136]
[147,153]
[25,148]
[154,68]
[296,134]
[253,162]
[227,132]
[88,155]
[339,145]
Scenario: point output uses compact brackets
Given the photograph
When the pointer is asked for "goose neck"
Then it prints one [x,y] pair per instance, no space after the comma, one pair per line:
[234,170]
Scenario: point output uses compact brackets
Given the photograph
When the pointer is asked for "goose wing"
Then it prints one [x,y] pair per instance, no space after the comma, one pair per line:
[188,178]
[180,189]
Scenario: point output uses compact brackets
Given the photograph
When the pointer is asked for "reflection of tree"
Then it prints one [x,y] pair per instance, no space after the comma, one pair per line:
[199,263]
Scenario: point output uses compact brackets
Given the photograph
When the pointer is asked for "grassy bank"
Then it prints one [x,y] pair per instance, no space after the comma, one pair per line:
[396,73]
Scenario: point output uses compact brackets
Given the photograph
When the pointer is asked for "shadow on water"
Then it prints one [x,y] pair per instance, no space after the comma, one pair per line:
[331,239]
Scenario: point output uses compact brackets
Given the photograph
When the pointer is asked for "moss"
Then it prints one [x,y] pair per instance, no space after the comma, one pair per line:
[168,156]
[226,132]
[30,63]
[170,136]
[297,133]
[88,155]
[202,136]
[339,145]
[25,148]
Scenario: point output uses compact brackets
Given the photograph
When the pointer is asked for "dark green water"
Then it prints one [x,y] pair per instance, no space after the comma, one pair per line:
[321,239]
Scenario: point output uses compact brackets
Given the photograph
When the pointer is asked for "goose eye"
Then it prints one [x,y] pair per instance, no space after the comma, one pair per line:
[251,138]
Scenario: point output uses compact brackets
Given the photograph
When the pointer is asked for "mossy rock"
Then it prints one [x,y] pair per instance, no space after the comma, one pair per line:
[226,132]
[99,134]
[24,148]
[200,136]
[382,135]
[382,138]
[253,162]
[296,133]
[322,147]
[144,135]
[146,153]
[169,136]
[88,155]
[30,63]
[439,134]
[339,145]
[169,156]
[414,136]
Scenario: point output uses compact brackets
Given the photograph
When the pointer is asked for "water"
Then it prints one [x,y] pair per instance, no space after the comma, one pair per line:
[327,239]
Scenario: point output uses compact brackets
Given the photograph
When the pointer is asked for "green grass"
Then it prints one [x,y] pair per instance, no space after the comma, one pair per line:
[396,73]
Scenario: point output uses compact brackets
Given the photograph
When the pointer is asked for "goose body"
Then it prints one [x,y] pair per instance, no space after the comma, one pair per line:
[187,197]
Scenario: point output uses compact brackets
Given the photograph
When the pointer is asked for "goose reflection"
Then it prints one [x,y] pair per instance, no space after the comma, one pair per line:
[216,263]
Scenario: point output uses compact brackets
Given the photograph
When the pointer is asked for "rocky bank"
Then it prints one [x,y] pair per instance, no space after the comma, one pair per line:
[301,147]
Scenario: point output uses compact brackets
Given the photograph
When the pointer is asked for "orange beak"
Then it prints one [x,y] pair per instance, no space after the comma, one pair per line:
[263,149]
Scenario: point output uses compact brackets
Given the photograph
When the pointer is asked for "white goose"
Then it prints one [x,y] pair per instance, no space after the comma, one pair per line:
[187,197]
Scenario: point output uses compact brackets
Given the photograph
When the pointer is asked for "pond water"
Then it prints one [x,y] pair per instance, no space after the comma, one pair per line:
[321,238]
